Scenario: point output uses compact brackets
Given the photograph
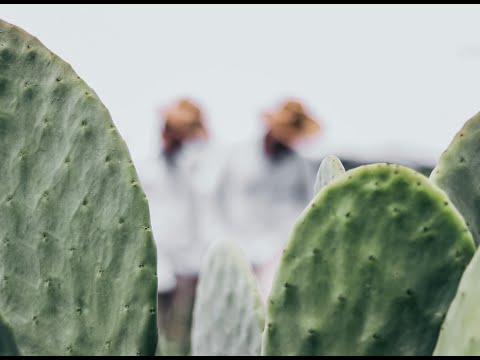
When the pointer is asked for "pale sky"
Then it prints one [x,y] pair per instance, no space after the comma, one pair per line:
[383,79]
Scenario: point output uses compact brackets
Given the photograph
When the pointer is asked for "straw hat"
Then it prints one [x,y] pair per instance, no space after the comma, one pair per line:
[290,123]
[185,119]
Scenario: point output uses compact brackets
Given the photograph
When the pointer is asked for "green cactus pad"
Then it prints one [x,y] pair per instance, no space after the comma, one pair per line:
[458,173]
[228,315]
[370,269]
[330,169]
[8,345]
[77,257]
[460,333]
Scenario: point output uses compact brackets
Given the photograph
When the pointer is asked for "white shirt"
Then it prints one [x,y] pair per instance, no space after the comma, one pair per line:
[179,194]
[259,199]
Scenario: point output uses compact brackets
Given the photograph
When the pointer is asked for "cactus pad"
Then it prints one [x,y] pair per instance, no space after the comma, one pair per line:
[8,345]
[460,334]
[228,315]
[77,257]
[330,168]
[370,269]
[458,173]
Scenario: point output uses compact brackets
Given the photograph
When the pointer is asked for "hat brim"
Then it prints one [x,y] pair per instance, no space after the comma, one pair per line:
[309,126]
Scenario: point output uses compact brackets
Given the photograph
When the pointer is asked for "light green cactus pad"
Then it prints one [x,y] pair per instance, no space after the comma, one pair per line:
[458,173]
[330,168]
[460,333]
[371,268]
[77,257]
[228,315]
[8,345]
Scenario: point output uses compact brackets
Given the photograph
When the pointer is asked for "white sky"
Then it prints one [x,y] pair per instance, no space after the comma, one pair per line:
[380,77]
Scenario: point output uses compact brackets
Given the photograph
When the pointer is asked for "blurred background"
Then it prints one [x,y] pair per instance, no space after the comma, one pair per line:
[391,80]
[384,82]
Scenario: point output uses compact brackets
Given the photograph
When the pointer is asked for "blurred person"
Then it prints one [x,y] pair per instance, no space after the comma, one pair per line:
[177,190]
[265,185]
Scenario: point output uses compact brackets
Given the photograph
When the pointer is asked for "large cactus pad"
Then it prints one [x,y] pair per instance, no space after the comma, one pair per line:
[458,173]
[77,257]
[371,268]
[228,316]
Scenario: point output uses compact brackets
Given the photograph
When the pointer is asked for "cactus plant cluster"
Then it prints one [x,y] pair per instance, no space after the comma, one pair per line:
[381,262]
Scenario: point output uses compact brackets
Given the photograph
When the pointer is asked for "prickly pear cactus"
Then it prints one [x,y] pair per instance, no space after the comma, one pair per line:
[228,315]
[458,173]
[371,268]
[460,335]
[330,168]
[8,345]
[77,257]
